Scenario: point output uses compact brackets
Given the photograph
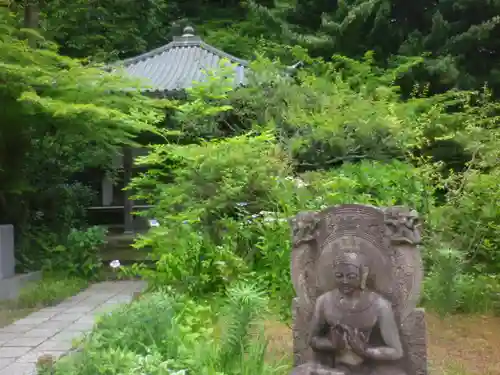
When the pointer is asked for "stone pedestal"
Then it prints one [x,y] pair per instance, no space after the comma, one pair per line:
[7,259]
[10,283]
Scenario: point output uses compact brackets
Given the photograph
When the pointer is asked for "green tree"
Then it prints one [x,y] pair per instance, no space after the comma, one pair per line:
[110,29]
[459,37]
[57,117]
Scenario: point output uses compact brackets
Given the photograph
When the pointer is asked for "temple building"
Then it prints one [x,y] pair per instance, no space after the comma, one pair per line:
[168,70]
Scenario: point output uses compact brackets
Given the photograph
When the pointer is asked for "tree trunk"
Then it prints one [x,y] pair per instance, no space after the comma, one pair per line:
[31,18]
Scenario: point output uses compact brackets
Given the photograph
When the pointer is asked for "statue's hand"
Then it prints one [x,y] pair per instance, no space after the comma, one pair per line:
[357,342]
[337,339]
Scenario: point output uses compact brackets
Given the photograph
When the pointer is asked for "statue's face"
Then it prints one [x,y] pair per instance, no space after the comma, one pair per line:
[348,277]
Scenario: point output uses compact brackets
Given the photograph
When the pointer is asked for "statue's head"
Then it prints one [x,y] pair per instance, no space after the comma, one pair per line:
[350,273]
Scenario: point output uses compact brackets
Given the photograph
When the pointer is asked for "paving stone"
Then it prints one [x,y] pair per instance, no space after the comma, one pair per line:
[86,319]
[53,309]
[30,321]
[42,332]
[19,368]
[79,309]
[4,362]
[55,324]
[13,352]
[43,314]
[67,336]
[18,329]
[30,342]
[80,326]
[4,337]
[71,317]
[55,345]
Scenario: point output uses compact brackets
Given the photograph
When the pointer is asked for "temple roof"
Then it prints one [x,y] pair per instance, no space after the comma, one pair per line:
[176,65]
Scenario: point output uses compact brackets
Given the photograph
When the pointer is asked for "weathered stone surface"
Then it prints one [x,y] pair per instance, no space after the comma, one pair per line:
[13,352]
[383,244]
[7,260]
[25,341]
[19,368]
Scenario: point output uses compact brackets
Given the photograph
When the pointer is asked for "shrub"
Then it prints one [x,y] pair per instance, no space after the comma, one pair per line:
[272,262]
[448,289]
[201,242]
[210,179]
[80,254]
[189,260]
[164,334]
[470,220]
[374,183]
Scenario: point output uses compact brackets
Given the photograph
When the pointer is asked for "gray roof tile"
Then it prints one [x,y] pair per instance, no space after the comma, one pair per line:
[176,65]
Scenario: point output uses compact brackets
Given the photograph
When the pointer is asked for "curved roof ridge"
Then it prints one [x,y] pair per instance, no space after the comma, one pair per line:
[192,42]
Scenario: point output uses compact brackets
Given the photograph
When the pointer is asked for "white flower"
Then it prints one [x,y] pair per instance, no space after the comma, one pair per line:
[114,264]
[154,223]
[297,181]
[300,183]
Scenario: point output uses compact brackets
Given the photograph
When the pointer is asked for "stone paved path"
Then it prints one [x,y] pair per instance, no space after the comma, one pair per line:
[52,329]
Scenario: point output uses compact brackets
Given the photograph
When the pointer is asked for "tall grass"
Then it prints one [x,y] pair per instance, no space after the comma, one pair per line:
[448,290]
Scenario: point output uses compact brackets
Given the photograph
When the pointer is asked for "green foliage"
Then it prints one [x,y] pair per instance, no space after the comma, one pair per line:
[49,291]
[448,289]
[107,31]
[469,224]
[165,333]
[272,260]
[374,183]
[241,347]
[59,116]
[453,36]
[214,176]
[214,183]
[79,256]
[189,260]
[158,322]
[333,112]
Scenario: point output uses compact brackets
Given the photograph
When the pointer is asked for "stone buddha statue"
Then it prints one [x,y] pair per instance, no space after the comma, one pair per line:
[353,329]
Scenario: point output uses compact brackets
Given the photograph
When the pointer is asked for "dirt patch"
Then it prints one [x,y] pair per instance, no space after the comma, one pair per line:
[457,345]
[465,344]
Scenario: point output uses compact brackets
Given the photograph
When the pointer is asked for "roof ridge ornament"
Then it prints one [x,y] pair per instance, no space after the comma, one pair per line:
[188,36]
[188,31]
